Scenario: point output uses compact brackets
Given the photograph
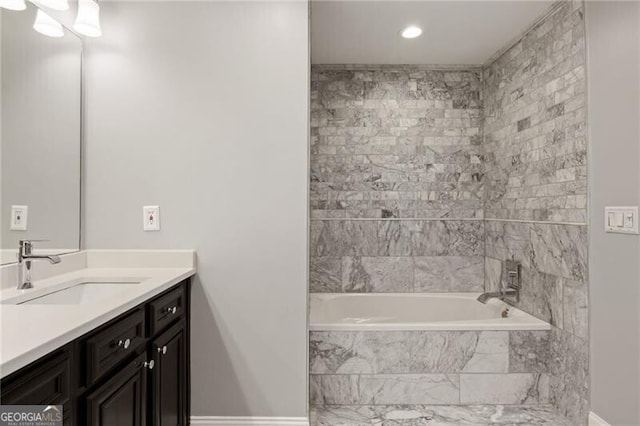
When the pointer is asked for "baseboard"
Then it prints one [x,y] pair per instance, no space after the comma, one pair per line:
[248,421]
[595,420]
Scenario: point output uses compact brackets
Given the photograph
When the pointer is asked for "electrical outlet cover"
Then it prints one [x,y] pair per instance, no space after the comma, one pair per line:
[19,218]
[151,218]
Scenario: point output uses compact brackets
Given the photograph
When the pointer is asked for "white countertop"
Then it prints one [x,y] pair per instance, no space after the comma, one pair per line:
[28,332]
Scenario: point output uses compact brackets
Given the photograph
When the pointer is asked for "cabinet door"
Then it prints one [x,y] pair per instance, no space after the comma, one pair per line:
[122,400]
[169,377]
[47,382]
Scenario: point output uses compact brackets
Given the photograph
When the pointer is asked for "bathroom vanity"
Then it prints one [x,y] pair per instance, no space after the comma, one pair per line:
[104,333]
[119,361]
[132,370]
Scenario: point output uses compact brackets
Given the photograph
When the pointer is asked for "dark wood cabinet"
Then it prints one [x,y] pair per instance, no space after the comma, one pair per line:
[168,384]
[46,382]
[122,400]
[131,371]
[114,343]
[165,310]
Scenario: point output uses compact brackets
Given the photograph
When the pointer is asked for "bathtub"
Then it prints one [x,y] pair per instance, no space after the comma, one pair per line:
[403,311]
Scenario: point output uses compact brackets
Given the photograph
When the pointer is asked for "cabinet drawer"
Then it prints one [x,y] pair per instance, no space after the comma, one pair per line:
[106,348]
[166,309]
[46,383]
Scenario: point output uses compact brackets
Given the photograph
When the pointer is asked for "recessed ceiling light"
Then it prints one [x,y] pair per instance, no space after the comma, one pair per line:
[411,32]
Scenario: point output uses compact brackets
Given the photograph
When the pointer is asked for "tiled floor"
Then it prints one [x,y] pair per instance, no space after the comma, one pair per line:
[436,415]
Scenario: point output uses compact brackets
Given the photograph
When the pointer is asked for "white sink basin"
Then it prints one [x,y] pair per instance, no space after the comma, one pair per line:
[82,291]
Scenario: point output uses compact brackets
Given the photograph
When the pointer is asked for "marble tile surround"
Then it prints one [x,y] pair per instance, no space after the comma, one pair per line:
[429,367]
[385,389]
[436,415]
[397,274]
[397,238]
[396,141]
[440,389]
[535,143]
[410,352]
[554,269]
[396,255]
[536,170]
[531,168]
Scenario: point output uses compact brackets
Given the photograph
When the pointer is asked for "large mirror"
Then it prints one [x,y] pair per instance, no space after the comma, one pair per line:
[40,145]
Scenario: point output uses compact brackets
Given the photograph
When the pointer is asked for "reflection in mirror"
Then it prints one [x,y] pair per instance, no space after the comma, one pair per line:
[40,145]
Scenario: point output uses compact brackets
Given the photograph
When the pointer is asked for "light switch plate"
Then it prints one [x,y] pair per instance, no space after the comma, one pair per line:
[19,218]
[621,220]
[151,218]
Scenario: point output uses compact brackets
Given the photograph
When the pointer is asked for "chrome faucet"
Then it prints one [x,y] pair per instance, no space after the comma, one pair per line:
[514,284]
[25,257]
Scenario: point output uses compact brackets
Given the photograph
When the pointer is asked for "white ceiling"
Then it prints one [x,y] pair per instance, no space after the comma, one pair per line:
[455,32]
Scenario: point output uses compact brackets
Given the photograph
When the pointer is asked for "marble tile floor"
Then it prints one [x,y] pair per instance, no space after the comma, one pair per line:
[436,415]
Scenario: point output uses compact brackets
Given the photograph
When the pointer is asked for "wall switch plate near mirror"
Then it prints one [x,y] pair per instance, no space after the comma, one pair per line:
[40,96]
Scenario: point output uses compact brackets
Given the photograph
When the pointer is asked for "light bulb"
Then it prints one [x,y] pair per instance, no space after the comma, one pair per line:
[13,4]
[88,19]
[48,26]
[411,32]
[53,4]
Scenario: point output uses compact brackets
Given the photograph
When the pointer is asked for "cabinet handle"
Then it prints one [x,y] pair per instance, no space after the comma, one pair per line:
[124,343]
[172,310]
[162,350]
[149,364]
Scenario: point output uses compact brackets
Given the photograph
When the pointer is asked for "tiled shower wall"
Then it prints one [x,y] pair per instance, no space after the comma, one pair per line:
[535,149]
[395,142]
[396,179]
[421,176]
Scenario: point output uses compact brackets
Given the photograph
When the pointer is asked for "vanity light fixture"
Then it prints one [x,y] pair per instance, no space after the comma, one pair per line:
[88,19]
[13,4]
[411,32]
[53,4]
[48,26]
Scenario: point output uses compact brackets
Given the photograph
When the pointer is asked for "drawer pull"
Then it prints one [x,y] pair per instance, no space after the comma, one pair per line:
[162,350]
[172,310]
[149,364]
[124,343]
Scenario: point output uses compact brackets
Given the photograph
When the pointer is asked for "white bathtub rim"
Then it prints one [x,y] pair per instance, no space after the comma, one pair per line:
[457,295]
[448,326]
[518,319]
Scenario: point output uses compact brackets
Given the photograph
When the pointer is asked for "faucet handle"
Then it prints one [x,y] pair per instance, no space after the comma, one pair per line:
[30,242]
[514,273]
[26,246]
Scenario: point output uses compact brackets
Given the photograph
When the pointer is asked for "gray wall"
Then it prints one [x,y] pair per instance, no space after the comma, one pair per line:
[613,36]
[40,132]
[202,108]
